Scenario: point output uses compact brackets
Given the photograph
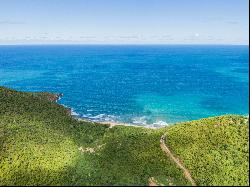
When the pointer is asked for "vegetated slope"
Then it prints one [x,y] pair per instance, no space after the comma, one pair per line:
[40,144]
[168,152]
[215,150]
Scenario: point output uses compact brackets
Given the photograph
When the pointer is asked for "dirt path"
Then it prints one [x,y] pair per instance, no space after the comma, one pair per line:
[176,160]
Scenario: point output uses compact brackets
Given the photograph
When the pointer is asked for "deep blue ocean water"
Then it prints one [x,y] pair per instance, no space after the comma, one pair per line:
[134,84]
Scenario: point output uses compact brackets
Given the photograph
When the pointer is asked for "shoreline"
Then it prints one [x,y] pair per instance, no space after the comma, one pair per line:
[113,124]
[76,116]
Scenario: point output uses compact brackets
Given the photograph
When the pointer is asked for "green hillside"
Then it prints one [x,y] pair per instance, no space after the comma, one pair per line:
[216,150]
[41,144]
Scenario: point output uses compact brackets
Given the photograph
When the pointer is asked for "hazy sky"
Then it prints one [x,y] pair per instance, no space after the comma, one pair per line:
[124,21]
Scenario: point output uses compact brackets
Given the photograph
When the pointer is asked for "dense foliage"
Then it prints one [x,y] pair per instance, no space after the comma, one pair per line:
[216,150]
[40,144]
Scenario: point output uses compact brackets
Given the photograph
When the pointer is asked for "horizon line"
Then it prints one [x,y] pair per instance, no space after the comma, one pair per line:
[40,44]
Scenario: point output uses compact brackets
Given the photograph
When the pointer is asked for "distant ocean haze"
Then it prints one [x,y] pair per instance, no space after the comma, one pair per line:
[142,85]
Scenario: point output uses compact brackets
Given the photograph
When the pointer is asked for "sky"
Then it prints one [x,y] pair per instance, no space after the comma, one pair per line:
[124,22]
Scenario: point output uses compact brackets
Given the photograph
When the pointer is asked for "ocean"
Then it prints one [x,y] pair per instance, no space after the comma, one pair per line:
[149,85]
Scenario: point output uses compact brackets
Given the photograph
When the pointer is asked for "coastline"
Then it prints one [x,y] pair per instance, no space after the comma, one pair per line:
[112,123]
[55,97]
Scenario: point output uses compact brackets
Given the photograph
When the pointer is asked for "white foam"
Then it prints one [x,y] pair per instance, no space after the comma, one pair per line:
[59,97]
[160,124]
[140,120]
[137,121]
[86,115]
[73,113]
[143,121]
[102,118]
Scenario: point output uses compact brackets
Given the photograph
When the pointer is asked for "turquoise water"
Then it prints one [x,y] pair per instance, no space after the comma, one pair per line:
[145,85]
